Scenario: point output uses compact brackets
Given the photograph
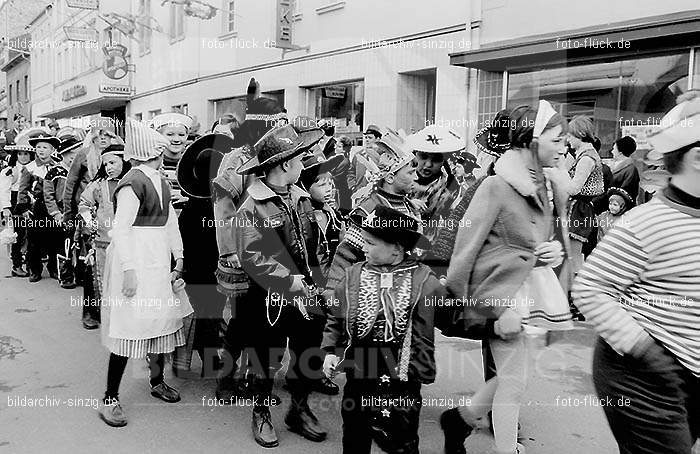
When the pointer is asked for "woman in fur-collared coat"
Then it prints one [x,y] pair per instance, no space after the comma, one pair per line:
[502,269]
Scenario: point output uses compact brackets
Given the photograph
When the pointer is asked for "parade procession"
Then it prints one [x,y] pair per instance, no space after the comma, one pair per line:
[319,226]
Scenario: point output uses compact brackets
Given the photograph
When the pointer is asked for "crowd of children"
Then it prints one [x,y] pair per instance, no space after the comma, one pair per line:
[340,281]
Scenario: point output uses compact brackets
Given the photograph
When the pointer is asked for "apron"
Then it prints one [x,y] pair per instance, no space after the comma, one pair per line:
[155,310]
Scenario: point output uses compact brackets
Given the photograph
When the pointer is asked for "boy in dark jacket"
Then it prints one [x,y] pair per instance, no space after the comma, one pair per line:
[276,237]
[383,318]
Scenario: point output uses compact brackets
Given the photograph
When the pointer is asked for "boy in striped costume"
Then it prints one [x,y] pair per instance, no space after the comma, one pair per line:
[640,288]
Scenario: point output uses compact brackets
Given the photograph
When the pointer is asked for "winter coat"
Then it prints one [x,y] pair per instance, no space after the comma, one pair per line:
[493,253]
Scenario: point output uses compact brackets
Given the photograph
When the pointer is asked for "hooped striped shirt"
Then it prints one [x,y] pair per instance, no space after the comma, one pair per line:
[644,279]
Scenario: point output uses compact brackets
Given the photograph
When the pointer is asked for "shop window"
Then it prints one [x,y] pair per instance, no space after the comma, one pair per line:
[416,100]
[490,96]
[153,113]
[342,104]
[626,97]
[138,116]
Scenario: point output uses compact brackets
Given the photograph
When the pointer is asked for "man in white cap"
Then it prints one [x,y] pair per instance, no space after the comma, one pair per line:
[640,289]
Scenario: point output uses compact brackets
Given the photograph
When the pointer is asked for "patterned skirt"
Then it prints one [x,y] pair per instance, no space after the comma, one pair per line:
[139,348]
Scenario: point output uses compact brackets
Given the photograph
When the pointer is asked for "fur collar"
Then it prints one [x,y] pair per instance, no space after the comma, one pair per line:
[514,168]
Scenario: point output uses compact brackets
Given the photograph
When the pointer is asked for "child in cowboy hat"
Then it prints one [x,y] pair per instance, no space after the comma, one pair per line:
[54,184]
[21,156]
[43,229]
[275,242]
[97,212]
[144,314]
[386,305]
[619,202]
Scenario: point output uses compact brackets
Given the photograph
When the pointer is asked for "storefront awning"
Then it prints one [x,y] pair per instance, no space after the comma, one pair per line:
[93,106]
[645,36]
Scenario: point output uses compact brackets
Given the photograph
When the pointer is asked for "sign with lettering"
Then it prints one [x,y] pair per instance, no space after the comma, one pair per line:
[82,34]
[74,92]
[115,89]
[334,92]
[83,4]
[283,25]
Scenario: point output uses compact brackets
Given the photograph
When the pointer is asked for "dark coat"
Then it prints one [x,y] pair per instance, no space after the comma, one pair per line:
[273,242]
[426,291]
[626,177]
[76,182]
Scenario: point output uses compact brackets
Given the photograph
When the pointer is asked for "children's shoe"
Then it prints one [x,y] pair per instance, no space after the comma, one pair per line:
[53,275]
[90,323]
[264,432]
[18,271]
[68,285]
[456,431]
[112,413]
[165,392]
[35,278]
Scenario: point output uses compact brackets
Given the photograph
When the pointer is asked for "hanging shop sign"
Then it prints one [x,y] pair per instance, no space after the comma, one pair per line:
[74,92]
[115,89]
[283,26]
[334,92]
[83,4]
[82,34]
[115,65]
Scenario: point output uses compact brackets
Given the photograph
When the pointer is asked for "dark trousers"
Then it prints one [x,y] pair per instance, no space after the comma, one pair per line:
[268,334]
[91,303]
[387,413]
[43,238]
[487,358]
[652,404]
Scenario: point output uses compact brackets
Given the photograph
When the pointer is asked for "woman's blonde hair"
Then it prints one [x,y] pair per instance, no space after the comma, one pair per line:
[582,128]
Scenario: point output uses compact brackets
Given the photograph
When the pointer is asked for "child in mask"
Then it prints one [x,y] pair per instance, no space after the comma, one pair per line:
[619,202]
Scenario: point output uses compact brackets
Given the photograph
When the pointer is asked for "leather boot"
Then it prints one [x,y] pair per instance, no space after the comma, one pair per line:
[302,421]
[263,431]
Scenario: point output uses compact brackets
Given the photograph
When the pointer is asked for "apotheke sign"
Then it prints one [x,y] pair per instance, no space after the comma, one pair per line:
[115,89]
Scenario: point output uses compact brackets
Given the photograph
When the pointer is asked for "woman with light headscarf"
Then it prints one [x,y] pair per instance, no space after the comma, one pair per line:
[509,241]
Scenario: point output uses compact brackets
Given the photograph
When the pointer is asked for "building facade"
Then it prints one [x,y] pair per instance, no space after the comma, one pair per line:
[622,63]
[15,64]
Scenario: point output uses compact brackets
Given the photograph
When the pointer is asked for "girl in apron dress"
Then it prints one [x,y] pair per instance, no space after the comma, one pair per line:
[144,302]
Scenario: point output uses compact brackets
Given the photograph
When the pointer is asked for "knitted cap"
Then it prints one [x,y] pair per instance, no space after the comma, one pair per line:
[143,143]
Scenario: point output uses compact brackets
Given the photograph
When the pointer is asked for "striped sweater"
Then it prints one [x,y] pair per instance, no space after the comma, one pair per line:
[643,280]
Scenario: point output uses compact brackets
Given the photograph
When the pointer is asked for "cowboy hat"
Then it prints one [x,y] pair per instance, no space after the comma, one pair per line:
[679,128]
[278,145]
[629,203]
[494,139]
[316,164]
[200,163]
[45,137]
[392,226]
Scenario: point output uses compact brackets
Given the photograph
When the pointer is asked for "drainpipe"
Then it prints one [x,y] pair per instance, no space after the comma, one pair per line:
[473,30]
